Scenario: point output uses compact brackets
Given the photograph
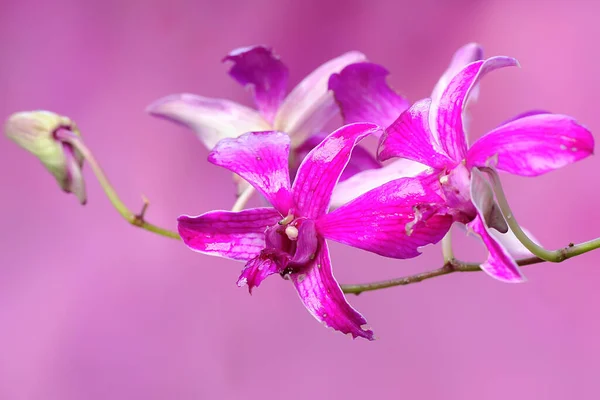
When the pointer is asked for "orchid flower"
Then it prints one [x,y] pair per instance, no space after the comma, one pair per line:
[289,237]
[363,95]
[302,113]
[432,132]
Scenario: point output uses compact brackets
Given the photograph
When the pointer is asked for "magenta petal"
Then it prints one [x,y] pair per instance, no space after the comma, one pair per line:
[321,169]
[261,70]
[363,95]
[393,220]
[261,158]
[361,159]
[410,137]
[310,106]
[533,145]
[499,264]
[525,114]
[307,244]
[446,114]
[464,56]
[324,299]
[211,119]
[235,235]
[256,270]
[364,181]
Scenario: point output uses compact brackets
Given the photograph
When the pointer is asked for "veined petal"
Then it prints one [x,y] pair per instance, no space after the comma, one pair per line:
[261,158]
[363,95]
[410,137]
[263,72]
[366,180]
[310,106]
[324,299]
[467,54]
[446,114]
[235,235]
[256,270]
[393,220]
[321,169]
[211,119]
[533,145]
[361,159]
[499,264]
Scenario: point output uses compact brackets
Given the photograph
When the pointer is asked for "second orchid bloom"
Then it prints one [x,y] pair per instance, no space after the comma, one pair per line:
[437,178]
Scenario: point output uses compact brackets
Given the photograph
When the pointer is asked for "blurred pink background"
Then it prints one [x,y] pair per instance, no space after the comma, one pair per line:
[91,308]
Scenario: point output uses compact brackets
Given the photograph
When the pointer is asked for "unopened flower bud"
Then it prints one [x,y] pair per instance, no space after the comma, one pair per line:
[39,133]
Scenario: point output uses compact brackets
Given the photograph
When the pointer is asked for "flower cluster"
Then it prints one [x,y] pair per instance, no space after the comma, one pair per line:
[321,185]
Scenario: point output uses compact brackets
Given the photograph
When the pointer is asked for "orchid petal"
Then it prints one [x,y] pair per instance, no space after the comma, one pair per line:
[363,95]
[324,299]
[307,243]
[523,115]
[263,72]
[499,264]
[310,106]
[482,197]
[533,145]
[410,137]
[446,114]
[321,169]
[261,158]
[366,180]
[234,235]
[510,242]
[361,159]
[393,220]
[256,270]
[211,119]
[74,182]
[465,55]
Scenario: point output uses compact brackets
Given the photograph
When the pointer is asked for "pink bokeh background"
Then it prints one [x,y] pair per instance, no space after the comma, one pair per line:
[91,308]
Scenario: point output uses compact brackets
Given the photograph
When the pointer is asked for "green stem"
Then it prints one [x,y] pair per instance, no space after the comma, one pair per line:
[131,217]
[452,265]
[548,255]
[448,268]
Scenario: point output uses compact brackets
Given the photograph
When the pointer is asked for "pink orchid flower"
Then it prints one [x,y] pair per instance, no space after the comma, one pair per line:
[289,237]
[302,113]
[362,92]
[432,132]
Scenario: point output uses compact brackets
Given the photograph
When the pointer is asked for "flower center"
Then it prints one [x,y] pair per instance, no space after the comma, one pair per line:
[456,188]
[292,243]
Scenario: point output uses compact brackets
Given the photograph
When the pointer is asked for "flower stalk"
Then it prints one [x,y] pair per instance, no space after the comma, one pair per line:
[539,251]
[135,219]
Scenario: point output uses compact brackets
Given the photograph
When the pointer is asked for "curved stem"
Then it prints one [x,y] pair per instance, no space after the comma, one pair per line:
[449,267]
[131,217]
[548,255]
[243,198]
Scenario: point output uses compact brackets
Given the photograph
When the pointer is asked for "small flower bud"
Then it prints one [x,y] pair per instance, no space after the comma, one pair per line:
[37,132]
